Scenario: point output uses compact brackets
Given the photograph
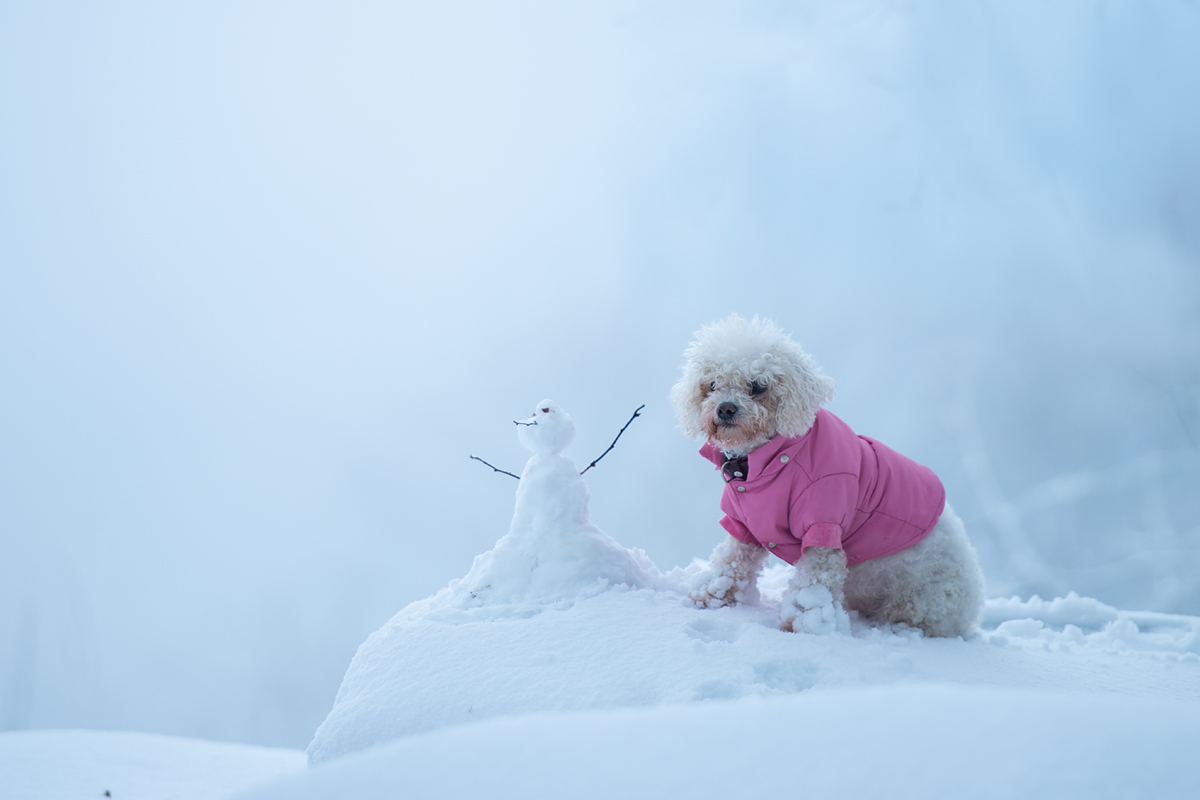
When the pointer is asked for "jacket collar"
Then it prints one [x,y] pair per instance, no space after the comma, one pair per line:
[764,460]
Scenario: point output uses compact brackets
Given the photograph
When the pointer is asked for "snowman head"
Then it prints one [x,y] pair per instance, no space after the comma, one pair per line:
[548,431]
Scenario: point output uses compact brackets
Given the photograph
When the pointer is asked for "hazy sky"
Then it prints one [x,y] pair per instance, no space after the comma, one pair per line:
[270,272]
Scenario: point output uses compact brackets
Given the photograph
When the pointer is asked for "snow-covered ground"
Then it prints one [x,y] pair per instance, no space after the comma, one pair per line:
[918,741]
[565,665]
[427,669]
[629,693]
[66,765]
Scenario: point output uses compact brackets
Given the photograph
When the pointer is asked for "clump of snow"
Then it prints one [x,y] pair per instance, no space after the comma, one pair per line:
[1085,612]
[1075,620]
[812,609]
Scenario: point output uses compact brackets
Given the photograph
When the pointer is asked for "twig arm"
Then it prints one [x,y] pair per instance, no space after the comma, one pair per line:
[636,414]
[496,469]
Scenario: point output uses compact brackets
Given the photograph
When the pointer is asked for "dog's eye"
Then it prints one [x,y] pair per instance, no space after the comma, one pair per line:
[712,387]
[757,388]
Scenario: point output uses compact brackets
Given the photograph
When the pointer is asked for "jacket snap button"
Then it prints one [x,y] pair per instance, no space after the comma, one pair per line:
[783,459]
[770,544]
[741,488]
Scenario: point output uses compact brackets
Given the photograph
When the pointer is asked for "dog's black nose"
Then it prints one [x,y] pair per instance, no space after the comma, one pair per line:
[726,412]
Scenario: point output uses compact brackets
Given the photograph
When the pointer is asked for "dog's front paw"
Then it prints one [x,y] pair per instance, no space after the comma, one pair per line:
[731,576]
[713,590]
[812,609]
[719,589]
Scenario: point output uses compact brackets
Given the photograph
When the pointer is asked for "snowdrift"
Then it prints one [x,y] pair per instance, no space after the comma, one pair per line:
[625,648]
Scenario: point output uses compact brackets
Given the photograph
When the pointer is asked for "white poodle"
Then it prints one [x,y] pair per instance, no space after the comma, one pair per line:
[866,528]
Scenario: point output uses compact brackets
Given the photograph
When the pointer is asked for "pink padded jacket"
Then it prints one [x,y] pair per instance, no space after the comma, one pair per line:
[830,488]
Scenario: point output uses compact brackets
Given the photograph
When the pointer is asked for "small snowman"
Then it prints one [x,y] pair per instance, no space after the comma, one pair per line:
[552,551]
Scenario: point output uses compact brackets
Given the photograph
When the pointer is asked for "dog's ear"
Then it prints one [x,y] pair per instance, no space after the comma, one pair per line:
[686,398]
[801,389]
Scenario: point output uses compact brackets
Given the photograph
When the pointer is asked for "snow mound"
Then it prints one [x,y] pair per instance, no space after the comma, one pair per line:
[629,648]
[559,617]
[930,741]
[551,558]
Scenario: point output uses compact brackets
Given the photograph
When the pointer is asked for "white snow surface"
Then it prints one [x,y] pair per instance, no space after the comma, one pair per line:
[432,667]
[558,617]
[68,764]
[911,741]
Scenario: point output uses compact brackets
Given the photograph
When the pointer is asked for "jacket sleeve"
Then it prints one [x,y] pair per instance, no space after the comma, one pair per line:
[822,513]
[737,530]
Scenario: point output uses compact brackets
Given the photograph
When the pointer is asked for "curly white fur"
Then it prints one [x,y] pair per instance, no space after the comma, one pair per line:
[743,383]
[732,575]
[726,362]
[936,585]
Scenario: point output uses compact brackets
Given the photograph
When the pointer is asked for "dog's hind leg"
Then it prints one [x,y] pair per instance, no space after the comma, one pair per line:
[732,575]
[936,585]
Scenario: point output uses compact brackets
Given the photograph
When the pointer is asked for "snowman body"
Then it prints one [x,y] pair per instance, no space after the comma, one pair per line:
[552,550]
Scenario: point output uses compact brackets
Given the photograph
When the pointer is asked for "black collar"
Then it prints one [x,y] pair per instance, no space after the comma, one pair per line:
[735,469]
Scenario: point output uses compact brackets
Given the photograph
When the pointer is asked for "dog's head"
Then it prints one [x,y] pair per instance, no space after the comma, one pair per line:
[746,381]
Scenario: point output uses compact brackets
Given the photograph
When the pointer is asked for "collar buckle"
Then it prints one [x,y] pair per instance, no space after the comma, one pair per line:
[735,469]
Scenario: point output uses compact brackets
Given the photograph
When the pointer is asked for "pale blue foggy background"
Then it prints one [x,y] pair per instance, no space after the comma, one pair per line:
[270,272]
